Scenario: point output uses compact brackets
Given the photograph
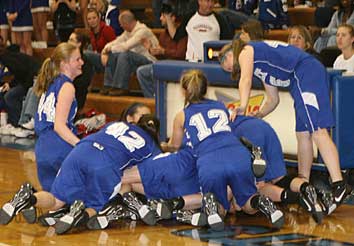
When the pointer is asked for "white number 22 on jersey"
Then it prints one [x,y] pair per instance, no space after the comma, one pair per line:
[132,142]
[221,125]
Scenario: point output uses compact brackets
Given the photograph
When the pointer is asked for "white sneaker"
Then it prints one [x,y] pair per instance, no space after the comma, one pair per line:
[7,129]
[24,133]
[29,125]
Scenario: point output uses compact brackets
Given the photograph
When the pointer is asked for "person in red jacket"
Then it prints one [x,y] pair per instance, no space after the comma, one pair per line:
[100,35]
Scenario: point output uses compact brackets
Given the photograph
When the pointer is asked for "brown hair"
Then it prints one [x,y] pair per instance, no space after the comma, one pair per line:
[82,36]
[195,84]
[254,29]
[126,16]
[305,33]
[51,67]
[237,47]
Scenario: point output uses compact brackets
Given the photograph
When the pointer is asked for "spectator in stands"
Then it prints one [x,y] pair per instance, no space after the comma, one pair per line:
[23,68]
[343,15]
[4,25]
[300,37]
[80,39]
[126,53]
[168,48]
[112,16]
[64,18]
[20,17]
[201,26]
[100,35]
[345,42]
[40,9]
[273,14]
[238,12]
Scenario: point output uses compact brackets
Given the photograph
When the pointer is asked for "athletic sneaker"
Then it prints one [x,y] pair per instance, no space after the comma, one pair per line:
[114,210]
[20,201]
[165,208]
[309,201]
[258,164]
[269,209]
[210,207]
[72,219]
[191,217]
[140,207]
[340,192]
[50,218]
[327,202]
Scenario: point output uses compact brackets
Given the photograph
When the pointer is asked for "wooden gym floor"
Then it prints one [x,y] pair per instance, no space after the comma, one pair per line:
[17,166]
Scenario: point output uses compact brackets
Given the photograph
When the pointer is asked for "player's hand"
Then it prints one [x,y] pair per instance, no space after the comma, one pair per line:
[237,111]
[257,114]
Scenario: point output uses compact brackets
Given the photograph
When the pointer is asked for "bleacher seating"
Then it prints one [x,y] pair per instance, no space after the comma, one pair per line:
[302,16]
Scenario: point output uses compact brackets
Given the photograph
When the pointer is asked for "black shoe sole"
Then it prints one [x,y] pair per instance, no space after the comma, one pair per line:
[97,223]
[163,211]
[5,218]
[30,215]
[258,168]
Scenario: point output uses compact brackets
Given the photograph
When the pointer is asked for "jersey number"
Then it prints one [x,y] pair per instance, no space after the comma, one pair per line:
[221,125]
[47,106]
[132,142]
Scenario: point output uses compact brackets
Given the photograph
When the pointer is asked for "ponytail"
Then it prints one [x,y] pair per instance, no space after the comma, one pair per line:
[195,85]
[237,46]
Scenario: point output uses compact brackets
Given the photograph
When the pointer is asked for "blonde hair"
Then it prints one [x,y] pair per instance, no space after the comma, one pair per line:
[51,67]
[195,84]
[350,29]
[305,33]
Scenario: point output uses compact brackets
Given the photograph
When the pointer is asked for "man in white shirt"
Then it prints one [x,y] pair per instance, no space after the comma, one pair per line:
[202,26]
[126,53]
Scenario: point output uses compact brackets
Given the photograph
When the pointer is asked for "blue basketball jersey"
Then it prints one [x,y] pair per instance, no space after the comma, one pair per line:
[45,116]
[207,125]
[125,142]
[272,66]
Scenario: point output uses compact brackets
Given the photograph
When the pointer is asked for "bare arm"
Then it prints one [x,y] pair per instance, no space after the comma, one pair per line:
[178,132]
[246,64]
[65,99]
[271,103]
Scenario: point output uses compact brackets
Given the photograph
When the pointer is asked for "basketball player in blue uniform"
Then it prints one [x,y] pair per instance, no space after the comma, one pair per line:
[276,183]
[221,160]
[278,64]
[56,111]
[91,174]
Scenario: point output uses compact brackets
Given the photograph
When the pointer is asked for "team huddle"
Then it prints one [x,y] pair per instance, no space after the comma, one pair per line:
[213,163]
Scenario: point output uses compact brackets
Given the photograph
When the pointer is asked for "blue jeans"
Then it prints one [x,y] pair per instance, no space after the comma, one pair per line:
[95,59]
[29,107]
[120,66]
[12,103]
[146,80]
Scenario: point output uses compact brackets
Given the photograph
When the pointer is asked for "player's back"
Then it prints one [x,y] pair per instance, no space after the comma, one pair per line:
[207,125]
[125,142]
